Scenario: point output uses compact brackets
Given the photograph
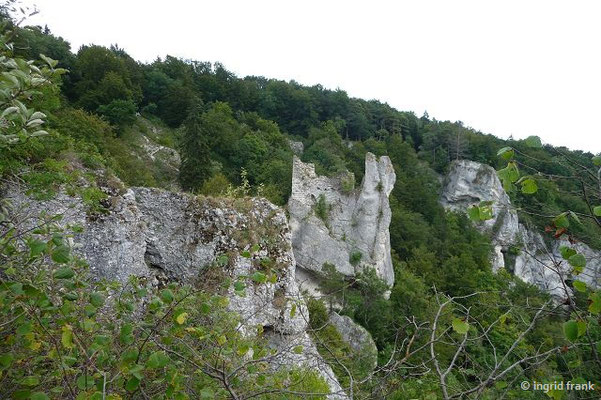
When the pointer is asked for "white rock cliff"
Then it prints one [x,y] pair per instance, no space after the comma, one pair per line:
[351,231]
[517,247]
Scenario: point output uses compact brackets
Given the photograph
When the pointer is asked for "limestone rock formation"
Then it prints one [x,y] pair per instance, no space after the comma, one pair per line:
[358,338]
[517,247]
[332,222]
[163,235]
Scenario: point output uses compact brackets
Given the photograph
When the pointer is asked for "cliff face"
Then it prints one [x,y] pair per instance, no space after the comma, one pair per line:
[516,247]
[166,236]
[332,222]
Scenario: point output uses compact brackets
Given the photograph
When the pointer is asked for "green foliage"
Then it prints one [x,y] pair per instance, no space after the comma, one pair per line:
[74,336]
[120,113]
[322,209]
[355,257]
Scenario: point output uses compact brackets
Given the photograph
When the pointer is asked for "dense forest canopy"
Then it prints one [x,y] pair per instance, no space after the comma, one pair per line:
[232,131]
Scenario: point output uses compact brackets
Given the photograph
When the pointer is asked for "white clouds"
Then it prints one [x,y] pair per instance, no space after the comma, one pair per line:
[510,67]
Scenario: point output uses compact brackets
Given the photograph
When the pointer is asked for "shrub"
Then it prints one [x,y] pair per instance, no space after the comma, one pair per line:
[355,257]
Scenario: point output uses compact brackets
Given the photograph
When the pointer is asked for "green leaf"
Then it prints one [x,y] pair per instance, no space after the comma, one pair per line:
[157,360]
[529,186]
[595,303]
[566,252]
[61,254]
[579,286]
[239,286]
[5,361]
[474,213]
[570,329]
[577,261]
[36,247]
[259,277]
[581,328]
[96,299]
[207,393]
[597,161]
[460,326]
[255,248]
[293,310]
[132,384]
[85,381]
[597,211]
[561,221]
[298,349]
[30,381]
[167,296]
[64,273]
[126,335]
[246,254]
[181,318]
[39,396]
[222,260]
[506,152]
[137,371]
[533,141]
[221,340]
[67,336]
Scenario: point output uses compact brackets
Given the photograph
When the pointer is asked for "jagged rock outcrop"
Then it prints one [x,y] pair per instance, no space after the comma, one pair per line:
[163,235]
[333,222]
[517,247]
[358,338]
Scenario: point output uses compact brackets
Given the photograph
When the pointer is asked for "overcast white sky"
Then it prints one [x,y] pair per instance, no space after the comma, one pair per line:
[502,67]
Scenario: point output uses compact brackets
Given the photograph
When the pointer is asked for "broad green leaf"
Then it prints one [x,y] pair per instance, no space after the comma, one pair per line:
[259,277]
[595,303]
[30,381]
[597,161]
[221,340]
[64,273]
[597,211]
[561,221]
[96,299]
[181,318]
[61,254]
[39,396]
[207,393]
[579,286]
[167,296]
[85,381]
[570,329]
[5,361]
[246,254]
[566,252]
[126,335]
[581,328]
[157,360]
[67,336]
[132,384]
[533,141]
[297,349]
[506,153]
[577,261]
[239,286]
[529,186]
[222,260]
[293,310]
[474,213]
[36,247]
[460,326]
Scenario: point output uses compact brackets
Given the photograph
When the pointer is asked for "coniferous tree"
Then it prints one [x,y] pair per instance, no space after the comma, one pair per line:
[195,166]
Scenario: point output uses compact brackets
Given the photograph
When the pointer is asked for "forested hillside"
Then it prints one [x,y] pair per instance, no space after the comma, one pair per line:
[110,114]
